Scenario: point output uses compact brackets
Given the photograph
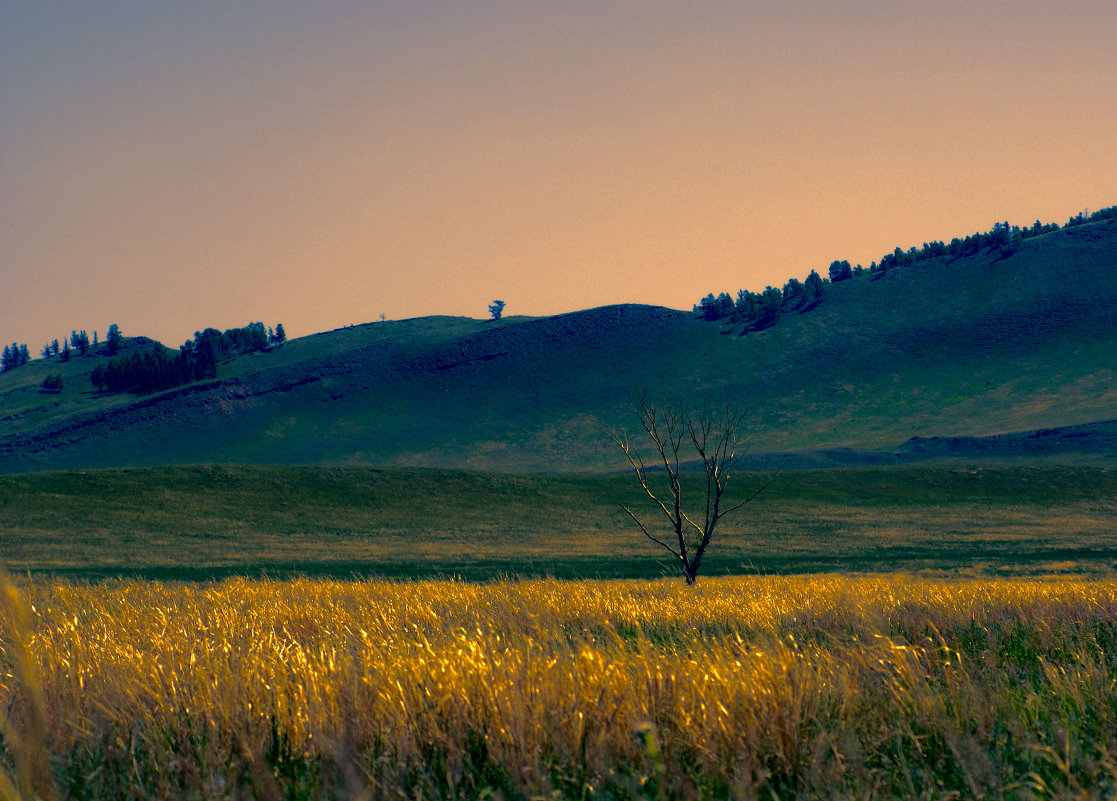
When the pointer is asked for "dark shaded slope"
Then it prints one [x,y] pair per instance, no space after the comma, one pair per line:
[462,401]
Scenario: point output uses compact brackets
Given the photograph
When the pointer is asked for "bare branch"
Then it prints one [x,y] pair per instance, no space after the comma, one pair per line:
[637,463]
[650,537]
[694,525]
[752,497]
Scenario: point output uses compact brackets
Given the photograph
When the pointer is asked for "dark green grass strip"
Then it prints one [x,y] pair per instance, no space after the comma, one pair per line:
[213,521]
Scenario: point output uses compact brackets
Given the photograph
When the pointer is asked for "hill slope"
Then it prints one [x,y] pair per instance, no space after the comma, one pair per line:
[979,352]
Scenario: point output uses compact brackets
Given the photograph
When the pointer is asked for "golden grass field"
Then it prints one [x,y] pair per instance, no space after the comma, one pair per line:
[750,687]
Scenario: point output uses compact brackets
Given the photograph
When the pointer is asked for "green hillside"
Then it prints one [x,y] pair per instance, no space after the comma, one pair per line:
[981,352]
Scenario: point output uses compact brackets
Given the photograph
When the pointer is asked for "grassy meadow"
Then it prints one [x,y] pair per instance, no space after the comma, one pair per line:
[226,632]
[818,686]
[208,522]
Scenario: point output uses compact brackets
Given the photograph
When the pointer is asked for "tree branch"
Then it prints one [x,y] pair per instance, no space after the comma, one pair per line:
[637,463]
[763,487]
[650,537]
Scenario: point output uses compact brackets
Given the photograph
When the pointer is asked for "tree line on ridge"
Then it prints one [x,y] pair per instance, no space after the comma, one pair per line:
[762,309]
[151,370]
[161,368]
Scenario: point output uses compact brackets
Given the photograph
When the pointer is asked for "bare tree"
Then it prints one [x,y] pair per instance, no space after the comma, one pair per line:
[716,440]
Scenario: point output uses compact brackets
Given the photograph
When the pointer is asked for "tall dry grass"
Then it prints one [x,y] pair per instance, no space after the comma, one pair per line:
[807,687]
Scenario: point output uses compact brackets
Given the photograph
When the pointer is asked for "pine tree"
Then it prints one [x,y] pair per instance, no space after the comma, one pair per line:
[770,306]
[747,303]
[814,285]
[708,306]
[840,271]
[114,338]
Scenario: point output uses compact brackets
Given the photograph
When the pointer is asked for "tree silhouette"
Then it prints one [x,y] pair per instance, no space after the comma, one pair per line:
[114,339]
[716,440]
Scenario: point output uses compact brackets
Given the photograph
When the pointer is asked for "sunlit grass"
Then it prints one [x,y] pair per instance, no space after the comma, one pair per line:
[740,687]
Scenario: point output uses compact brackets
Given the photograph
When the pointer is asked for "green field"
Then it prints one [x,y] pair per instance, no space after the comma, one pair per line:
[212,521]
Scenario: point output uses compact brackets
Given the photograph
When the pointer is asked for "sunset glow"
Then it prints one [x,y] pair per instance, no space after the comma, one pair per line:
[170,166]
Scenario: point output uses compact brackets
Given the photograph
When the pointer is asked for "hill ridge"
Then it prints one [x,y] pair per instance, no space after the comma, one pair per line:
[943,350]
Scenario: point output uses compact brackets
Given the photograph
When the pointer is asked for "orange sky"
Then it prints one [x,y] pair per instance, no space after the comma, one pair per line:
[169,166]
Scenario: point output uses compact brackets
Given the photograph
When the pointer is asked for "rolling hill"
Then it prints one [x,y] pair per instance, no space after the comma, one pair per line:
[981,357]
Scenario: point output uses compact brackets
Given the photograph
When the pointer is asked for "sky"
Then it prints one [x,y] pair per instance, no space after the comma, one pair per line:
[170,165]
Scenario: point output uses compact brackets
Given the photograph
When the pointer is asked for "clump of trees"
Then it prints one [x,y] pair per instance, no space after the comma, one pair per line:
[154,369]
[161,368]
[841,271]
[252,338]
[1004,238]
[53,384]
[14,356]
[1082,217]
[151,371]
[78,341]
[762,309]
[17,355]
[231,342]
[496,308]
